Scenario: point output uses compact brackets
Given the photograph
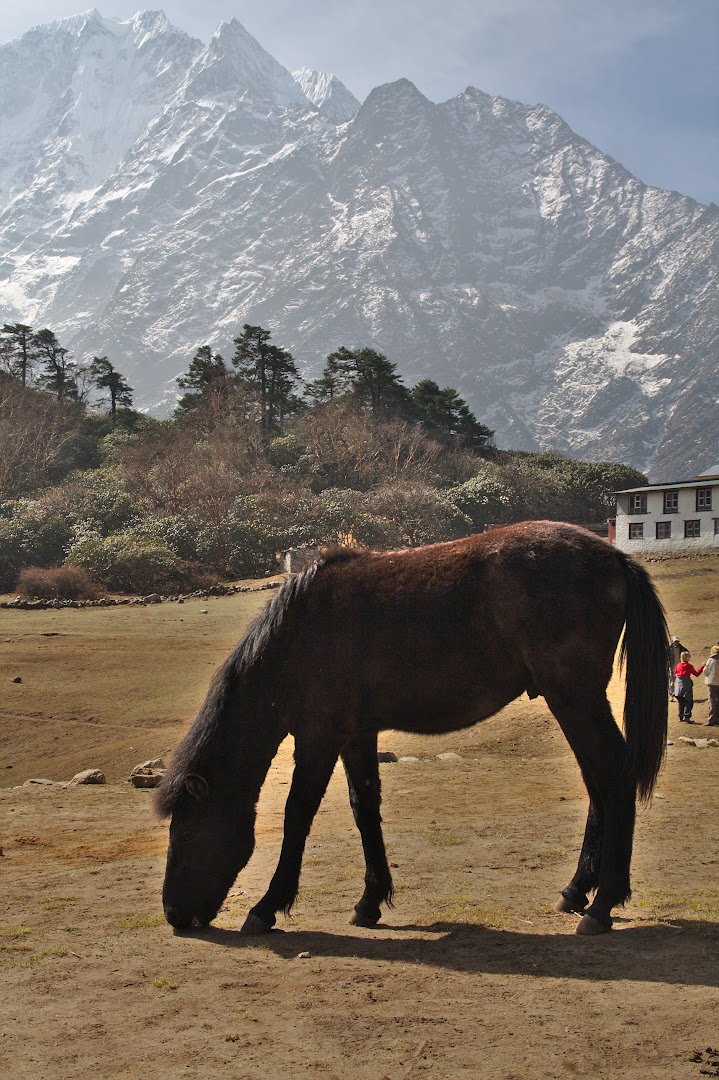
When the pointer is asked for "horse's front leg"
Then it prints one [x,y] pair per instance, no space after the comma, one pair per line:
[314,763]
[360,761]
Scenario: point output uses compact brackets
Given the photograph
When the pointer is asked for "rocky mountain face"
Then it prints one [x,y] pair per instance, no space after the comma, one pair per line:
[157,193]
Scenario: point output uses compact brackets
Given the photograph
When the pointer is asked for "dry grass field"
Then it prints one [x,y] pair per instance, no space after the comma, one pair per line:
[472,974]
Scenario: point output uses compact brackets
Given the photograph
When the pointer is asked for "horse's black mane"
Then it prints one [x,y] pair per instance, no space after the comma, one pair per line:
[246,656]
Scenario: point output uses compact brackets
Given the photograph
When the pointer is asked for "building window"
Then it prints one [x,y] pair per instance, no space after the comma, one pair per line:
[638,503]
[636,531]
[692,528]
[704,499]
[664,530]
[716,526]
[671,502]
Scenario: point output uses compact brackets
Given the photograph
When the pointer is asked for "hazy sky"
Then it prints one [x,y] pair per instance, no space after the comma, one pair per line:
[638,78]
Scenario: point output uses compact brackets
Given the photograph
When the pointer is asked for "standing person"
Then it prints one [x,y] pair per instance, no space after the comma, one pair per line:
[674,652]
[683,688]
[711,677]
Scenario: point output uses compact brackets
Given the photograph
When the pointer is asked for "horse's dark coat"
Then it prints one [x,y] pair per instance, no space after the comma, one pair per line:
[426,640]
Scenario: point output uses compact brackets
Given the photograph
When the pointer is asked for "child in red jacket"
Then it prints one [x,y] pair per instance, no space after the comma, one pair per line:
[683,688]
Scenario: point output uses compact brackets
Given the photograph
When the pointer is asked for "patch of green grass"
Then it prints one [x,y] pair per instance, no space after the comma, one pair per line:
[543,910]
[56,904]
[659,896]
[14,931]
[161,983]
[461,908]
[702,902]
[705,902]
[52,951]
[141,922]
[440,836]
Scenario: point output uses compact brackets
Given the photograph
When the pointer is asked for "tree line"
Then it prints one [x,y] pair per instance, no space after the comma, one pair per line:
[262,379]
[37,357]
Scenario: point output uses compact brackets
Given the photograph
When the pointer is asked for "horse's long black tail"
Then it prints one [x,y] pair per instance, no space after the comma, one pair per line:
[644,650]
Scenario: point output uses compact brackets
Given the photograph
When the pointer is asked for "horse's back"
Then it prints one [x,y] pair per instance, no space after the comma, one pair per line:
[461,627]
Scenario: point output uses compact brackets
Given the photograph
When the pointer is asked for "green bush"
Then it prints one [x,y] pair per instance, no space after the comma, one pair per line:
[131,564]
[240,548]
[12,553]
[423,514]
[485,499]
[178,533]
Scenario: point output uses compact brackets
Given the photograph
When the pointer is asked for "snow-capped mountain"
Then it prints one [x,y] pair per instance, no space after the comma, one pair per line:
[157,193]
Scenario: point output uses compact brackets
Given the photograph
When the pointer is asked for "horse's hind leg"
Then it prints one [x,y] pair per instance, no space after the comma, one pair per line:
[602,752]
[314,762]
[575,897]
[360,761]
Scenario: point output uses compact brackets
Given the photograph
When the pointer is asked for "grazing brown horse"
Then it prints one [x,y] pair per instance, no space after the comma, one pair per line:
[427,640]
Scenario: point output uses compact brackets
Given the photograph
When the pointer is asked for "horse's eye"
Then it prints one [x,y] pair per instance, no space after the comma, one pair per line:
[186,837]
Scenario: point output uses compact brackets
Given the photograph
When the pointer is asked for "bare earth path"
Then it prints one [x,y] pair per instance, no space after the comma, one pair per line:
[472,973]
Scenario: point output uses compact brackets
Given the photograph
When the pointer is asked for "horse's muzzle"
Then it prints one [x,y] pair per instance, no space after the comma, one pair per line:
[181,920]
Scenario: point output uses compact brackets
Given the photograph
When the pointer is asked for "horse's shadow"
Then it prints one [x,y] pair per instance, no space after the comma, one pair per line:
[683,952]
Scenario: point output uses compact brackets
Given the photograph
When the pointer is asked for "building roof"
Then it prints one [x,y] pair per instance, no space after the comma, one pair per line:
[706,479]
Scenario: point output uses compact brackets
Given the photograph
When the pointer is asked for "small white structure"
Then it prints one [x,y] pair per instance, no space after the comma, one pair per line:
[663,518]
[296,559]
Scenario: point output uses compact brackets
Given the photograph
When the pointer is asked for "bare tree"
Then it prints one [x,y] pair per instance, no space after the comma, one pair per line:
[35,431]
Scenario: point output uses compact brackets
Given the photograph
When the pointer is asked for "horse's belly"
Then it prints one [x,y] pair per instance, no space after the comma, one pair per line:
[447,713]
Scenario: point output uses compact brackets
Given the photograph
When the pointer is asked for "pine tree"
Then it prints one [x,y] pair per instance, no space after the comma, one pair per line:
[105,377]
[337,376]
[368,376]
[58,376]
[270,373]
[19,350]
[377,384]
[445,413]
[207,375]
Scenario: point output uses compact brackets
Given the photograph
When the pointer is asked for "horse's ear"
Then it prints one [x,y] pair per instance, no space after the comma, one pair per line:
[197,787]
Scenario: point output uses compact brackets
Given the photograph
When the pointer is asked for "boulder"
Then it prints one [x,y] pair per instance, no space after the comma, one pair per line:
[153,598]
[147,778]
[88,776]
[149,774]
[449,756]
[386,755]
[35,783]
[155,763]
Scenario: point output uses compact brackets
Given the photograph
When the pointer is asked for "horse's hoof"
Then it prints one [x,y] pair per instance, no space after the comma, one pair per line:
[591,927]
[363,920]
[566,907]
[253,926]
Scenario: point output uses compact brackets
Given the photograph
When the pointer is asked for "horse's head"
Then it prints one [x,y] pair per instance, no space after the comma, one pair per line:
[209,845]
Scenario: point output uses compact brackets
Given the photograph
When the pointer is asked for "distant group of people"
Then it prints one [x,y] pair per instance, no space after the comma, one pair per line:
[681,687]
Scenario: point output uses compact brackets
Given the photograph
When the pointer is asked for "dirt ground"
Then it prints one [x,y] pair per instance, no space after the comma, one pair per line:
[472,974]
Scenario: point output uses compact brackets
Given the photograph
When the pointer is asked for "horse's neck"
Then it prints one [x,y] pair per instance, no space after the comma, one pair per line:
[246,745]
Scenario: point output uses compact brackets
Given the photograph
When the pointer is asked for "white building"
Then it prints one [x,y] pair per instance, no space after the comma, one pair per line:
[662,518]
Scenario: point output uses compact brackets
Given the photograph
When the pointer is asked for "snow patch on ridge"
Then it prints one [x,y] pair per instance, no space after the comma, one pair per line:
[614,350]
